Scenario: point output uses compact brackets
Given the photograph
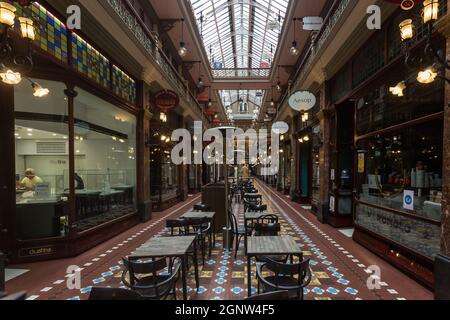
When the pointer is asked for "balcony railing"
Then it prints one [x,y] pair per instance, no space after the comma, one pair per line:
[130,17]
[262,73]
[334,16]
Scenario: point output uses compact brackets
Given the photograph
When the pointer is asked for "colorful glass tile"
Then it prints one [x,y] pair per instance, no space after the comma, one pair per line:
[50,33]
[89,61]
[123,85]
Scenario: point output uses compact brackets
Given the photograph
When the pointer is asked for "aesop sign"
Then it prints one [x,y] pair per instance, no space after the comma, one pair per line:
[302,101]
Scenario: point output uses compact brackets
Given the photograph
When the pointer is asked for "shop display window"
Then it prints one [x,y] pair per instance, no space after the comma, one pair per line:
[42,161]
[407,159]
[105,161]
[380,110]
[400,185]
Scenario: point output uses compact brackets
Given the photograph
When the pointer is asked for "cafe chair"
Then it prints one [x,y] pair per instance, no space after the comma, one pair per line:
[271,296]
[257,207]
[178,227]
[202,228]
[202,207]
[288,277]
[239,232]
[113,294]
[268,226]
[149,280]
[19,296]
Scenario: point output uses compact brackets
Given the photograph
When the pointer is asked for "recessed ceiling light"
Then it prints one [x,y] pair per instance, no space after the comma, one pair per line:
[30,134]
[30,130]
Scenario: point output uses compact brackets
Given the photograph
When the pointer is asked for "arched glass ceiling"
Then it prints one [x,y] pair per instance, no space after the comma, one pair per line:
[240,33]
[230,97]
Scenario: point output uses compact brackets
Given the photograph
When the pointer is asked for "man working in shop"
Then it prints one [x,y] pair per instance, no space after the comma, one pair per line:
[31,180]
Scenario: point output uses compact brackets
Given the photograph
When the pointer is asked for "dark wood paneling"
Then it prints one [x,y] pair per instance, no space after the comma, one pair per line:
[412,265]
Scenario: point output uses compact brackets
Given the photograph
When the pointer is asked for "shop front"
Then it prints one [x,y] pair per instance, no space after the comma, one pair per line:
[399,161]
[167,180]
[69,157]
[386,127]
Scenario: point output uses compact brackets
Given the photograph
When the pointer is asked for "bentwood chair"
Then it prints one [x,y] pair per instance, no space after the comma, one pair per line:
[288,277]
[113,294]
[239,232]
[181,227]
[268,226]
[150,278]
[202,228]
[202,207]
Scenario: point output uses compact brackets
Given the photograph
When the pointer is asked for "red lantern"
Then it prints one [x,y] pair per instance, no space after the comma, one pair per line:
[216,120]
[210,111]
[167,100]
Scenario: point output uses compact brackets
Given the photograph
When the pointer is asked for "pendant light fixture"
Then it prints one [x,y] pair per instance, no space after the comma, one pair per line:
[294,49]
[182,51]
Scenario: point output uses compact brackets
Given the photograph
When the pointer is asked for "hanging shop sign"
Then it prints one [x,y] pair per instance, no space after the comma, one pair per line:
[405,4]
[302,101]
[312,23]
[166,100]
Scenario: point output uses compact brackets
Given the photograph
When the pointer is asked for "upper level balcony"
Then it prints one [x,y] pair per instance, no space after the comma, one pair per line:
[241,74]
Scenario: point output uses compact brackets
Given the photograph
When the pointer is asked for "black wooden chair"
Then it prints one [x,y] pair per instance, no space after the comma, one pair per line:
[178,227]
[239,232]
[257,207]
[202,228]
[146,278]
[271,296]
[288,277]
[19,296]
[113,294]
[202,207]
[268,226]
[181,227]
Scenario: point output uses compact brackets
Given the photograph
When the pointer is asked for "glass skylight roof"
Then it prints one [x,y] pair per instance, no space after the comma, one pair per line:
[240,33]
[230,97]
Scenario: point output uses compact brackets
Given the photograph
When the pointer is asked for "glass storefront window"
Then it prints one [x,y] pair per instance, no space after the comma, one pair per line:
[105,161]
[42,161]
[407,159]
[164,175]
[379,110]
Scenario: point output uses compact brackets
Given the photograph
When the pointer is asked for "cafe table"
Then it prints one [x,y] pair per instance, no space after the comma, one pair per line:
[269,246]
[195,215]
[171,247]
[250,218]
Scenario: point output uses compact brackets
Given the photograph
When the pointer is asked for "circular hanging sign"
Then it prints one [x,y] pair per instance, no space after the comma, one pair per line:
[167,100]
[405,4]
[302,101]
[280,127]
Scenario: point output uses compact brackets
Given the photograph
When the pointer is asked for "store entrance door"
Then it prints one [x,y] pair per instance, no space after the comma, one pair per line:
[305,169]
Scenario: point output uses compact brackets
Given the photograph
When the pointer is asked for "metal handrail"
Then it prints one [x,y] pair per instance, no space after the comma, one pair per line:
[312,49]
[151,47]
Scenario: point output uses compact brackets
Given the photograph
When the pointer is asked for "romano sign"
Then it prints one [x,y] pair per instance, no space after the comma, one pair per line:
[302,101]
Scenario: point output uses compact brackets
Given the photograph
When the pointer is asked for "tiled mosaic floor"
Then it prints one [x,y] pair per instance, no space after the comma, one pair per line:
[338,273]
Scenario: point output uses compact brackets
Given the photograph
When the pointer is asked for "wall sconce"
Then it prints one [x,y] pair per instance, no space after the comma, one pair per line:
[14,63]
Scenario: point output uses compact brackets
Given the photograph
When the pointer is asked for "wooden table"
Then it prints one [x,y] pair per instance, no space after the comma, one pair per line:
[194,215]
[171,247]
[269,246]
[250,217]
